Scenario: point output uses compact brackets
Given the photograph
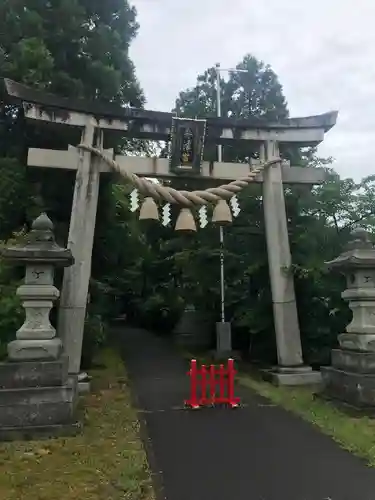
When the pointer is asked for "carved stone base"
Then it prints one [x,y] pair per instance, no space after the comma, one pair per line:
[357,342]
[353,361]
[28,350]
[351,378]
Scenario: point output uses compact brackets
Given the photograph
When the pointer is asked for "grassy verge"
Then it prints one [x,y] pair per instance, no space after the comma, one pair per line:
[106,462]
[355,434]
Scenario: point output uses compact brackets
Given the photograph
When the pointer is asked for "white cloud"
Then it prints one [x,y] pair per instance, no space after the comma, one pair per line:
[323,52]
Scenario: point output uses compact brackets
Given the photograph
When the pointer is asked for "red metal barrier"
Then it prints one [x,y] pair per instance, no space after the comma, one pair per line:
[204,382]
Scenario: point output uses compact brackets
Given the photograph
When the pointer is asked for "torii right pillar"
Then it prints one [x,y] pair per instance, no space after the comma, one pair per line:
[291,369]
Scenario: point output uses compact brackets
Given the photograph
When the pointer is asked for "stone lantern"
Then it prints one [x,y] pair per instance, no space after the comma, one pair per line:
[36,339]
[351,378]
[36,394]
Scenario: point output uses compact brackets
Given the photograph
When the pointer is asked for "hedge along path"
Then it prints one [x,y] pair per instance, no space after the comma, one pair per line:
[185,198]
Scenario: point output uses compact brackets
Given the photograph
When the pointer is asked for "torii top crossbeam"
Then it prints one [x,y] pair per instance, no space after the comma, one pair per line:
[155,125]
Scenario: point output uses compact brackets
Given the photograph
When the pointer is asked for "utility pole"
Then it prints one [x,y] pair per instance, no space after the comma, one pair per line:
[223,329]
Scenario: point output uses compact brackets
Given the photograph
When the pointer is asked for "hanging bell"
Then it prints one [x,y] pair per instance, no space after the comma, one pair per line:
[185,221]
[149,210]
[222,214]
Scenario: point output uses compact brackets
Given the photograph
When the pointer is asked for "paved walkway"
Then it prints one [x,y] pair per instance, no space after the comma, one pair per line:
[259,452]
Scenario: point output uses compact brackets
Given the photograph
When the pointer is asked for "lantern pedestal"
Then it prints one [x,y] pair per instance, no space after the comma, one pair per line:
[37,396]
[351,376]
[37,399]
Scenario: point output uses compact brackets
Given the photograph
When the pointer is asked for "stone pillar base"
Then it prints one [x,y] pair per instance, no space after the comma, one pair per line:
[351,378]
[292,376]
[37,398]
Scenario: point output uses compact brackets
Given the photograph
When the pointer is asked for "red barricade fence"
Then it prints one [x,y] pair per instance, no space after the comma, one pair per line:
[205,381]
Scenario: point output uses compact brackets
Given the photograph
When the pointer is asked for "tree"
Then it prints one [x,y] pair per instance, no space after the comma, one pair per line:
[254,94]
[74,48]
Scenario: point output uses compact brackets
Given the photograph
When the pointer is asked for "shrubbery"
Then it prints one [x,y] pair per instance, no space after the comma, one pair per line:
[11,311]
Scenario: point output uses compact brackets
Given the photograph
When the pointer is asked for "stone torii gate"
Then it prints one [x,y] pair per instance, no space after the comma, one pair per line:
[98,123]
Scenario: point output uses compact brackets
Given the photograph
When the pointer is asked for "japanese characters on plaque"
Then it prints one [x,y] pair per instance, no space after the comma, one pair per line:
[187,145]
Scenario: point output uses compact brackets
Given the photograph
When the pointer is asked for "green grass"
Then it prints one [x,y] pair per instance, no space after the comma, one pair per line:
[355,434]
[106,462]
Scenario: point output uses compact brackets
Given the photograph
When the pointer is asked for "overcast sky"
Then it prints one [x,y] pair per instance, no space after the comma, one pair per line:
[323,52]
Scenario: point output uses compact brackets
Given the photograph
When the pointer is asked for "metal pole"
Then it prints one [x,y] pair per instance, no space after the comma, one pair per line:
[218,108]
[221,229]
[222,279]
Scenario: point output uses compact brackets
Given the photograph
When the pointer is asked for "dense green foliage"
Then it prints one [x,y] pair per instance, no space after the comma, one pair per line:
[80,48]
[75,48]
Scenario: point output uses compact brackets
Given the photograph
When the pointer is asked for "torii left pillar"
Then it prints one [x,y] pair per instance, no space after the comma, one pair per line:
[73,302]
